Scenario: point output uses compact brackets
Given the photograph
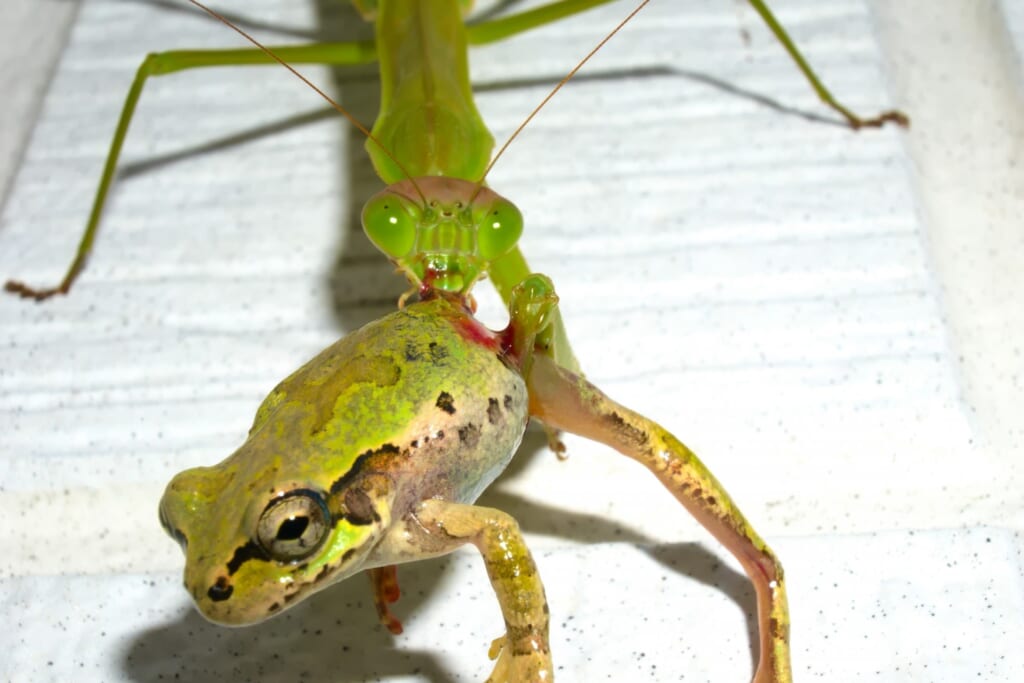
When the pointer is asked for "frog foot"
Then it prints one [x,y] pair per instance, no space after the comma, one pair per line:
[555,443]
[530,662]
[384,581]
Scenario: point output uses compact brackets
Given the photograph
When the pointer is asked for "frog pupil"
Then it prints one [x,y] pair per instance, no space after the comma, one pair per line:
[292,528]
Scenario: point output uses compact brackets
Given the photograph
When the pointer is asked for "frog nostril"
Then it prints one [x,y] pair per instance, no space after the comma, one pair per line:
[221,590]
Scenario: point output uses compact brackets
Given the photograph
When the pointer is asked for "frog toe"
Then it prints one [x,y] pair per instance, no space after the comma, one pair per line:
[525,663]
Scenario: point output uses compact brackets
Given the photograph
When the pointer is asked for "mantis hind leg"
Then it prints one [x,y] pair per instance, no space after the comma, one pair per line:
[852,120]
[497,29]
[565,401]
[161,64]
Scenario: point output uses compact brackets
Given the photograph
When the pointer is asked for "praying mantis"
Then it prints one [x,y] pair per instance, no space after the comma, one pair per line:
[764,673]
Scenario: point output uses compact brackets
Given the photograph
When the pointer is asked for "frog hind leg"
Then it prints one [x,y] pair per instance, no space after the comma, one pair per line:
[384,583]
[565,401]
[522,653]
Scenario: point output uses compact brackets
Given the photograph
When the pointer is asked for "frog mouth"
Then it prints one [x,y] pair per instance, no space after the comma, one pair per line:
[253,587]
[221,603]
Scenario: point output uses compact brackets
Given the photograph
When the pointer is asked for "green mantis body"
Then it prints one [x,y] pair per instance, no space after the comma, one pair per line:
[567,422]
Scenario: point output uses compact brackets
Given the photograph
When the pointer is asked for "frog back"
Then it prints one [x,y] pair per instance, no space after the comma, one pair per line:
[424,395]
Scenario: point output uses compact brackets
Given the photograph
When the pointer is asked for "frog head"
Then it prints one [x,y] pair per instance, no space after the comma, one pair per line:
[258,537]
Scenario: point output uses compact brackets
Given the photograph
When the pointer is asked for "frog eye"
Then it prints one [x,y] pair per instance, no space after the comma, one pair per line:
[390,223]
[499,226]
[293,526]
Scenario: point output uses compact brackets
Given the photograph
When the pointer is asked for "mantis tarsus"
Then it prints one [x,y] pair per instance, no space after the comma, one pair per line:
[527,228]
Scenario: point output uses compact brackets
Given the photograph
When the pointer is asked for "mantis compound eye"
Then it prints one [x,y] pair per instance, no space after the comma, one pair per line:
[390,223]
[499,226]
[294,526]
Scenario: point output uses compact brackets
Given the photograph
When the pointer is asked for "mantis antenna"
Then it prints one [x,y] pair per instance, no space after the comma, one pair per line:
[566,79]
[340,109]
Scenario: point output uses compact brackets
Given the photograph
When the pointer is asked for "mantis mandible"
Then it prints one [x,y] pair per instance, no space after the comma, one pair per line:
[771,668]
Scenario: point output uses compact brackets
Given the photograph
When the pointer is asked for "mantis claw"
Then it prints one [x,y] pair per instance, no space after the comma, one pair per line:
[891,116]
[40,295]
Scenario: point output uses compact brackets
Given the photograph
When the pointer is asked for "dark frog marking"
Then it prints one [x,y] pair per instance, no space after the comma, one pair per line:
[469,435]
[345,480]
[493,411]
[249,551]
[359,508]
[221,590]
[636,436]
[446,403]
[437,352]
[434,351]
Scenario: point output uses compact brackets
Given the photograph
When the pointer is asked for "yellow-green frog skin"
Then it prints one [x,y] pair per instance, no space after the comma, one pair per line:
[422,405]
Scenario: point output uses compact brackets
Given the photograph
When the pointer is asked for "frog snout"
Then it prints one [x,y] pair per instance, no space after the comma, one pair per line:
[221,589]
[213,597]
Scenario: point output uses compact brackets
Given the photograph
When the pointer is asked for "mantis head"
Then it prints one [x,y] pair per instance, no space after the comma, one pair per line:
[443,233]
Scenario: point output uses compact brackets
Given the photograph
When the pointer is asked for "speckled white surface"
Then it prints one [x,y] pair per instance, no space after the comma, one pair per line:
[620,613]
[830,319]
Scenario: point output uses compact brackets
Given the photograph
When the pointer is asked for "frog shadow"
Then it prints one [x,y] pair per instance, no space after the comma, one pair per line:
[334,636]
[692,560]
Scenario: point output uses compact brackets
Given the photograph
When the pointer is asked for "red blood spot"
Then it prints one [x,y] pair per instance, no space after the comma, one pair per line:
[471,329]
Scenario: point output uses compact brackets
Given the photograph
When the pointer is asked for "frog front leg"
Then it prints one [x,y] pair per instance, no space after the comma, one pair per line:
[522,653]
[565,401]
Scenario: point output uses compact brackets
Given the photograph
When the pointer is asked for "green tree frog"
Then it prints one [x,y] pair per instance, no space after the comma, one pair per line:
[373,453]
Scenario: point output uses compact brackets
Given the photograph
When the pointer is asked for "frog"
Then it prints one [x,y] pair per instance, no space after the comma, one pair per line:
[374,452]
[370,455]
